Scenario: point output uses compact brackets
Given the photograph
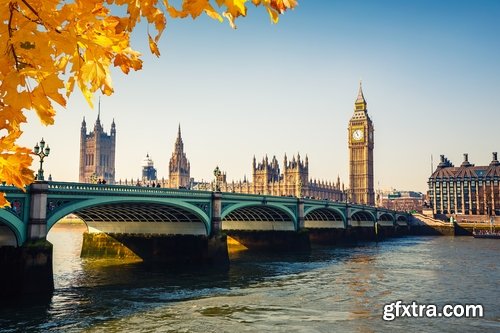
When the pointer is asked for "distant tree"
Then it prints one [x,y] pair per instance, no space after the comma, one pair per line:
[49,45]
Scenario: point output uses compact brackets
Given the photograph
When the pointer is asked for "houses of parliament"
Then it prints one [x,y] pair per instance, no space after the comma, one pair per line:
[97,162]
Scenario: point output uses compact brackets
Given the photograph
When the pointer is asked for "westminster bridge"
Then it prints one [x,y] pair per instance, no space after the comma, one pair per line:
[170,225]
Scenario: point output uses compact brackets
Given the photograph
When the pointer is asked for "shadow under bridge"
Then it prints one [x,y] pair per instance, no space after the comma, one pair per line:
[142,218]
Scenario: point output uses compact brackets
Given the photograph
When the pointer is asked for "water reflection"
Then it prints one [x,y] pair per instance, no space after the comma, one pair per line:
[329,289]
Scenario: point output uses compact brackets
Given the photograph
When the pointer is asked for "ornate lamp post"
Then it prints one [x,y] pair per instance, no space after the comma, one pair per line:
[39,150]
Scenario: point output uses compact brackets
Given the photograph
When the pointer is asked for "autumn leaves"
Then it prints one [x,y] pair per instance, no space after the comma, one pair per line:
[49,45]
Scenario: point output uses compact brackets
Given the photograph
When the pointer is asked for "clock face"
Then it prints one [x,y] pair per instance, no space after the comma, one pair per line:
[357,134]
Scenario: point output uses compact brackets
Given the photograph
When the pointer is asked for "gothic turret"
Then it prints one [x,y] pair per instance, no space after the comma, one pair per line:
[179,167]
[97,153]
[179,145]
[98,125]
[84,126]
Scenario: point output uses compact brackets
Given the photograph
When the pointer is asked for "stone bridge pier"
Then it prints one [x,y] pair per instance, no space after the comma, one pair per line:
[27,269]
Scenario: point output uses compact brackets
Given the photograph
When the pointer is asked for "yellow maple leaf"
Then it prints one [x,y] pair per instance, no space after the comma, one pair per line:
[48,45]
[153,47]
[273,14]
[51,85]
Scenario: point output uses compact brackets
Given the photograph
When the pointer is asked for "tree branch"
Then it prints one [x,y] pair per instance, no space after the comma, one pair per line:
[41,21]
[13,50]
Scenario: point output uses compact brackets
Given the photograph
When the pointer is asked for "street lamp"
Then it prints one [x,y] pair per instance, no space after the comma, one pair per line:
[39,150]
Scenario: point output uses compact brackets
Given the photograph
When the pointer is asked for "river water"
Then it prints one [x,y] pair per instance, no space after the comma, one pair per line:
[330,289]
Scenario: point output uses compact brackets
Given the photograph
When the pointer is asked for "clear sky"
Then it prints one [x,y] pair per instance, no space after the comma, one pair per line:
[430,72]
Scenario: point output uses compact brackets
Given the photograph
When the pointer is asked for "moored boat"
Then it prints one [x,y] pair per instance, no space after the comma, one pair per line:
[486,234]
[492,233]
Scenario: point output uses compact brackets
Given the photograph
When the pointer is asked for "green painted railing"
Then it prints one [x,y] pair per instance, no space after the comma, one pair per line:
[10,189]
[66,188]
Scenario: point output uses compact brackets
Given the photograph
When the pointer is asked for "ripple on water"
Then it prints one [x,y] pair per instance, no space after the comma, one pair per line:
[330,289]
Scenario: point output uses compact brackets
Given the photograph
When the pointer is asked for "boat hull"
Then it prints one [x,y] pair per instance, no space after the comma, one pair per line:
[488,235]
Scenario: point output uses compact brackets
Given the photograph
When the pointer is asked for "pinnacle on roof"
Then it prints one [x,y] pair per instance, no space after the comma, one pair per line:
[99,111]
[179,137]
[361,97]
[360,104]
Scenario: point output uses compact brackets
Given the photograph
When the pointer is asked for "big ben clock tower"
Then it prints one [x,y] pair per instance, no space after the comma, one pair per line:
[361,154]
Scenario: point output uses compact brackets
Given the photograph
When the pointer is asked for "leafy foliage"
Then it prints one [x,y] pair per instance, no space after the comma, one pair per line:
[49,45]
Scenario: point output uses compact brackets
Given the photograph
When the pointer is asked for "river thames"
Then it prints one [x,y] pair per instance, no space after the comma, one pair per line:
[330,289]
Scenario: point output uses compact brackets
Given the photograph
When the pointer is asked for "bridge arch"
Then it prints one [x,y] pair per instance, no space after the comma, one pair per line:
[146,211]
[401,220]
[258,216]
[12,229]
[362,216]
[386,217]
[324,217]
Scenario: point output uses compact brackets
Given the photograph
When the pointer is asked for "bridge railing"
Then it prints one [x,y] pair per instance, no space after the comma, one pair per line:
[65,187]
[258,197]
[10,189]
[325,201]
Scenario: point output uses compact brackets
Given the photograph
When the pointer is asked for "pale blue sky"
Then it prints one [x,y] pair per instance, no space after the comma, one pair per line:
[430,71]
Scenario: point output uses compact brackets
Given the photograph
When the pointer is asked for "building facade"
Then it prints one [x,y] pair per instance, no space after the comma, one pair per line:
[148,170]
[467,190]
[97,153]
[404,201]
[179,168]
[269,179]
[361,143]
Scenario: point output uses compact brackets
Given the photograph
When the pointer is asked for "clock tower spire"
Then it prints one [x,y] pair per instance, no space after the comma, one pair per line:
[360,104]
[361,144]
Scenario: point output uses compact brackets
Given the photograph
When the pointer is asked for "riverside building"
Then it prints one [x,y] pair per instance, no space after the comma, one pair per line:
[467,189]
